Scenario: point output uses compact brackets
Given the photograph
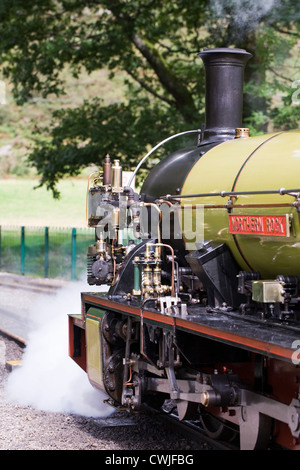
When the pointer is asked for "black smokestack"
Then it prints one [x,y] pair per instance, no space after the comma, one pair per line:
[224,73]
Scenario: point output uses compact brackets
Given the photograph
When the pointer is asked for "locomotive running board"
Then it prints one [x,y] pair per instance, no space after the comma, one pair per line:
[267,338]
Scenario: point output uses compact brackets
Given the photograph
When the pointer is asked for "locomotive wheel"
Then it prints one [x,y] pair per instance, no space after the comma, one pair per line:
[113,375]
[216,428]
[186,409]
[112,329]
[255,430]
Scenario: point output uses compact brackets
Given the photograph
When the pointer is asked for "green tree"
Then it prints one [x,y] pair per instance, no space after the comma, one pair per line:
[154,44]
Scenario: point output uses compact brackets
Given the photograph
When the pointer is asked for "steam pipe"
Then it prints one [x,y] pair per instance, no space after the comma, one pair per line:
[198,131]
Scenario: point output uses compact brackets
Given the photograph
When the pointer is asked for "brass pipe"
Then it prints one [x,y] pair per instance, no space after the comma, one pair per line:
[107,171]
[173,263]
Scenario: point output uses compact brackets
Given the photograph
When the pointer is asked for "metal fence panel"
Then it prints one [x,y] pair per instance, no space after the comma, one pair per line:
[45,251]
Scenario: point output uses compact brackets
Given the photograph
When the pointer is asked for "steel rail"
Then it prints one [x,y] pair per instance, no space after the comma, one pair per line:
[18,339]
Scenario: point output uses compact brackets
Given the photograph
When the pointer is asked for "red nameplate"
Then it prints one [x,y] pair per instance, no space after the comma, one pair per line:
[276,225]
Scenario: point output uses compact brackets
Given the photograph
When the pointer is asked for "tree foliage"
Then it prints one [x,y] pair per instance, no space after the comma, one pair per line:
[154,44]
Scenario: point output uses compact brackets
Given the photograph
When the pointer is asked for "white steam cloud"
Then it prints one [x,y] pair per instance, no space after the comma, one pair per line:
[48,378]
[245,15]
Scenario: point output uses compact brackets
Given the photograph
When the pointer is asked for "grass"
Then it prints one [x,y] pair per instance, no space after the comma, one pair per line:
[21,204]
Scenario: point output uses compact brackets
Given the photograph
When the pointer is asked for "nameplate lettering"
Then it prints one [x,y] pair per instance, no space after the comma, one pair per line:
[275,225]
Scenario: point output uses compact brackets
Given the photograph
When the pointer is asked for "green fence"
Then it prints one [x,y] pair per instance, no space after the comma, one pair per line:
[45,251]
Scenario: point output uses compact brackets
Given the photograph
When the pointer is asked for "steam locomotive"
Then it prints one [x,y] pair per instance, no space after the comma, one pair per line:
[201,269]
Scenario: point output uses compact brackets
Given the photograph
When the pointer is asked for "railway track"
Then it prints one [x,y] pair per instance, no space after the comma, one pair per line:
[18,297]
[18,339]
[32,284]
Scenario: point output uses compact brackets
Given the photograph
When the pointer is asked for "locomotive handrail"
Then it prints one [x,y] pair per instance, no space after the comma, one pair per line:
[194,131]
[281,192]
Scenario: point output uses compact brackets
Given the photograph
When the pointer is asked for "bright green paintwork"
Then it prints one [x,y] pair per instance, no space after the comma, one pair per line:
[275,164]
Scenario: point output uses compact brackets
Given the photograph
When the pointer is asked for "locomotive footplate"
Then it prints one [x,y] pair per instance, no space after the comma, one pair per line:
[269,338]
